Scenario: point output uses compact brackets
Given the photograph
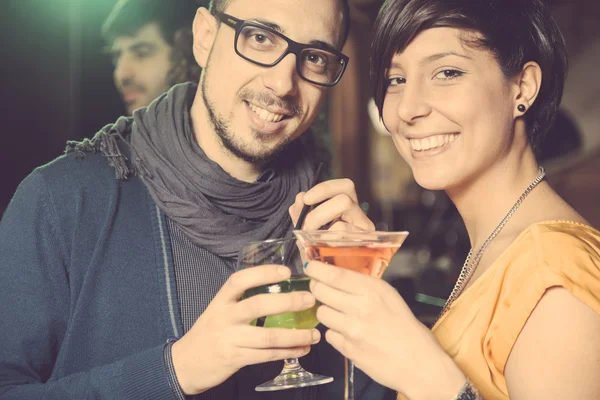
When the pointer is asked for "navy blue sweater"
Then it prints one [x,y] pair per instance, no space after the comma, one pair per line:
[85,295]
[87,291]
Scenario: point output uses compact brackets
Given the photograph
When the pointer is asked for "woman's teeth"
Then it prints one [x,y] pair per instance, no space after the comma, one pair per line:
[432,142]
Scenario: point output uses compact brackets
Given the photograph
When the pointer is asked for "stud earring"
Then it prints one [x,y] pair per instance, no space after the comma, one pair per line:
[521,108]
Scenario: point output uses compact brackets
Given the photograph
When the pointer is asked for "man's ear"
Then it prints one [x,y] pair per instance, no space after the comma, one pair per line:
[528,87]
[204,31]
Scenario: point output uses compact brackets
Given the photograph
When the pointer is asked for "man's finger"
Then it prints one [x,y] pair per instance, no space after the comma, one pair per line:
[252,277]
[340,207]
[252,337]
[259,356]
[263,305]
[296,208]
[328,189]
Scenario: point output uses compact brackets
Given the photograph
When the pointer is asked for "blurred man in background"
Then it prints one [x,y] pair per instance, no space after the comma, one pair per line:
[151,46]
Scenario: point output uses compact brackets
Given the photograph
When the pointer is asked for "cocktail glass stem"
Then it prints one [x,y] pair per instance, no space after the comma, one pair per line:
[349,384]
[291,366]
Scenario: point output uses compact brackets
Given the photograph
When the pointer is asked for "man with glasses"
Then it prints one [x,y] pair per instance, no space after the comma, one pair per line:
[118,260]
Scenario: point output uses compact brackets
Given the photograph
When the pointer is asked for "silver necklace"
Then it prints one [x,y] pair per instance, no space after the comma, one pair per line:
[469,267]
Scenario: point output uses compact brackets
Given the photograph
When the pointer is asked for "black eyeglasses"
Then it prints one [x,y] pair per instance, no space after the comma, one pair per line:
[266,47]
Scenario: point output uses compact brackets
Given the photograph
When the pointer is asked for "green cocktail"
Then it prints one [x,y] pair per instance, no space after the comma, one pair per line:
[306,319]
[282,252]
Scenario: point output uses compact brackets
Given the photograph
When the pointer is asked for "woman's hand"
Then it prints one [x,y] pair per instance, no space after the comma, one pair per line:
[370,324]
[336,205]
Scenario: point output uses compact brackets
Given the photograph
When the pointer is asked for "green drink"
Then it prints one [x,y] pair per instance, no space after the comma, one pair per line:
[306,319]
[282,252]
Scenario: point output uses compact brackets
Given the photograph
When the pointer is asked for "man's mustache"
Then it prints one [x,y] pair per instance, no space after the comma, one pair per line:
[130,84]
[266,100]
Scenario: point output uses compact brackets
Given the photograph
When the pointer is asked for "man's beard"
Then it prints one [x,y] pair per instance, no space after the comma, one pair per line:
[235,146]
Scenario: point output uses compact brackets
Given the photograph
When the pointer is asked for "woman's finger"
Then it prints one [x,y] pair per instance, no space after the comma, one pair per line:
[341,278]
[338,342]
[350,328]
[334,298]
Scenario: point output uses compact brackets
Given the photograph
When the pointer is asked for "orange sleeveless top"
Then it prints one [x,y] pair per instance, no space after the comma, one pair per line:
[480,328]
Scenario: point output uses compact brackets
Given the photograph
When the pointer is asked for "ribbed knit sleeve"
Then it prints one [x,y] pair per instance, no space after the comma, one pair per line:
[171,372]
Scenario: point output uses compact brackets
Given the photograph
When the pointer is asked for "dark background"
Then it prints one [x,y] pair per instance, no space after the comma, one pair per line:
[56,82]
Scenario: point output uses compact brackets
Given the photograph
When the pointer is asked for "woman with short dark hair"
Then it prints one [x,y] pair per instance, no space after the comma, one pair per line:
[468,90]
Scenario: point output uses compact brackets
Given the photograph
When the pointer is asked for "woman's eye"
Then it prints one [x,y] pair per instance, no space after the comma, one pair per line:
[395,81]
[448,74]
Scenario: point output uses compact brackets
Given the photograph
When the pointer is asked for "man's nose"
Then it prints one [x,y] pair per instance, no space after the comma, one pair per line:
[282,78]
[123,71]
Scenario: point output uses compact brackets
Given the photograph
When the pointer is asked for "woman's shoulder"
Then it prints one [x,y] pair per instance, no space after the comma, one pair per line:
[557,249]
[551,254]
[558,252]
[560,239]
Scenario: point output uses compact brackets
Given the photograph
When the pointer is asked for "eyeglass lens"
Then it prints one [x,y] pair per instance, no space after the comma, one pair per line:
[266,47]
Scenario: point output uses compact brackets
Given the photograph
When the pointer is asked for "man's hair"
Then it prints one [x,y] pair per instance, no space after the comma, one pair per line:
[221,6]
[515,31]
[129,16]
[174,19]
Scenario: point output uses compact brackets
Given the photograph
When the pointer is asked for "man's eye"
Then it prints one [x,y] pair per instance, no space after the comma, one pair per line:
[142,54]
[258,38]
[316,59]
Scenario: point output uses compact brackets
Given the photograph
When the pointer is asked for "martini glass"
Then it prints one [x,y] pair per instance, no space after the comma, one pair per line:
[283,252]
[368,253]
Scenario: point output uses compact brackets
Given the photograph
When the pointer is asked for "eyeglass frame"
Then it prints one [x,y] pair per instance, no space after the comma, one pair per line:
[292,48]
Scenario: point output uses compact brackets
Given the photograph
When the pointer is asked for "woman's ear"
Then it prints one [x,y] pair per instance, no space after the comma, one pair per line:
[528,86]
[204,31]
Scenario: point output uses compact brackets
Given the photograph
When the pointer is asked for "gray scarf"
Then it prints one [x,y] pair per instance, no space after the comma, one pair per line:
[215,210]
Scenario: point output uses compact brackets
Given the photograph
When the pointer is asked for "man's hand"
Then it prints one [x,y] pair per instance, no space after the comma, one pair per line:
[222,340]
[339,207]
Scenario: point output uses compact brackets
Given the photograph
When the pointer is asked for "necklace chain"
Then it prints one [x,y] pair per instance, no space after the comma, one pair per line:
[469,267]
